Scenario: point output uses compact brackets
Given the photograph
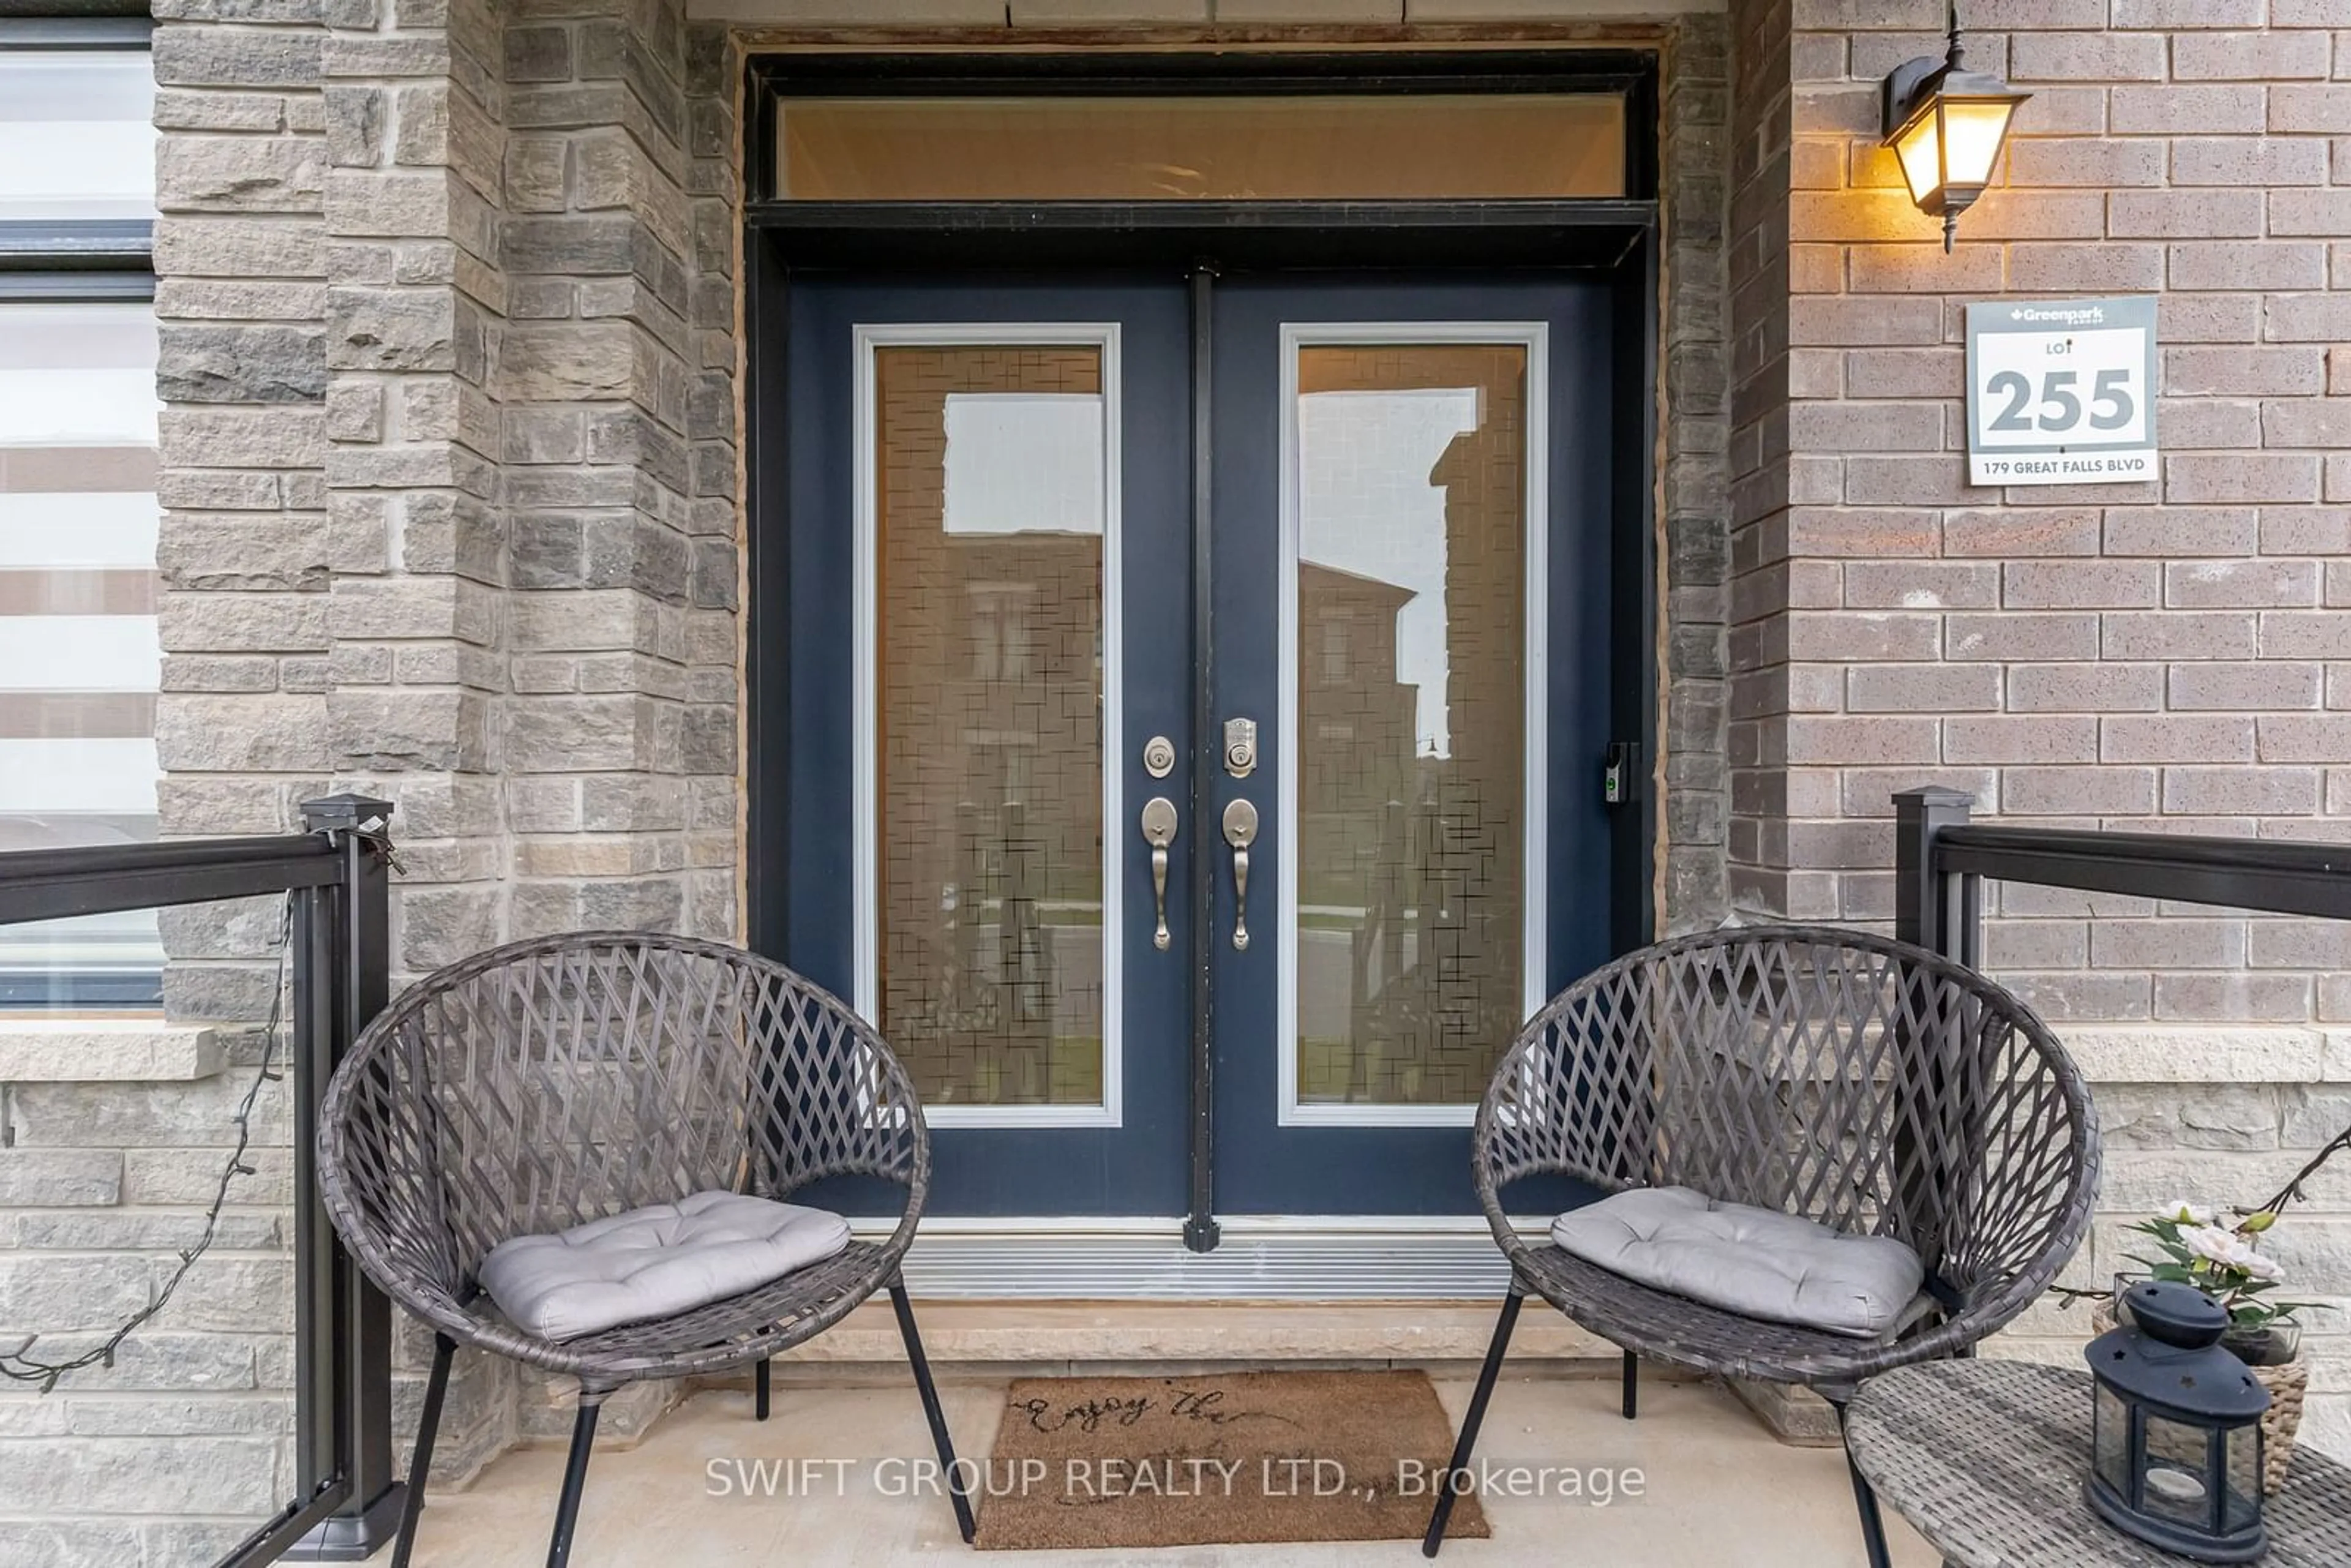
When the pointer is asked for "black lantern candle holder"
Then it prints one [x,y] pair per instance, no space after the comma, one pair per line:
[2176,1429]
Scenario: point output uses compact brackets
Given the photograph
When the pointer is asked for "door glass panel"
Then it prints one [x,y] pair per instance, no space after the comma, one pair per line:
[1410,738]
[1461,146]
[991,503]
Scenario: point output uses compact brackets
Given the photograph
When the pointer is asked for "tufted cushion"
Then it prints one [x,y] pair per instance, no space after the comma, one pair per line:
[1753,1261]
[654,1262]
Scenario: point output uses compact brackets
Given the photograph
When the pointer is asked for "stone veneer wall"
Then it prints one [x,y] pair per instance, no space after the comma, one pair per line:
[2169,656]
[447,293]
[444,291]
[170,1455]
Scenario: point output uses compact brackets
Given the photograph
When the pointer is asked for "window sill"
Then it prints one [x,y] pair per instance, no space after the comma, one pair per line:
[106,1050]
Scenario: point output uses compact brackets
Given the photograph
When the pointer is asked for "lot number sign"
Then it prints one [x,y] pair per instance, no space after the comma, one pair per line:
[2061,391]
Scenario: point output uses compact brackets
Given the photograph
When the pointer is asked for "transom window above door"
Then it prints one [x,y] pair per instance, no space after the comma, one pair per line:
[1552,134]
[1323,146]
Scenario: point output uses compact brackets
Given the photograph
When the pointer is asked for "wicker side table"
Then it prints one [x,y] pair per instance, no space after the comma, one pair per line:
[1986,1458]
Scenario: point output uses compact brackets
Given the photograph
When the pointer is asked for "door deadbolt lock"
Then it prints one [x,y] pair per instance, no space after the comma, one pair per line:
[1159,757]
[1241,747]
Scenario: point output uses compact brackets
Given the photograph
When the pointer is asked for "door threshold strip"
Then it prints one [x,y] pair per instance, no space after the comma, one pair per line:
[1279,1257]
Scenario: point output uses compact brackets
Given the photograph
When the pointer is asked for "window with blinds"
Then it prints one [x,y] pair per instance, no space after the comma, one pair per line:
[77,134]
[79,656]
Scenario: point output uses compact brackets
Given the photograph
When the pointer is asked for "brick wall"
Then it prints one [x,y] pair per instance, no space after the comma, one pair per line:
[2165,656]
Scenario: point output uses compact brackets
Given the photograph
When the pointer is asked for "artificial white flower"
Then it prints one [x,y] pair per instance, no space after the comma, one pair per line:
[2213,1245]
[2260,1267]
[2187,1213]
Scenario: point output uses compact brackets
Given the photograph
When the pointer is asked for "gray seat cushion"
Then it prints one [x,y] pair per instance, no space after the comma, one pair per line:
[654,1262]
[1756,1262]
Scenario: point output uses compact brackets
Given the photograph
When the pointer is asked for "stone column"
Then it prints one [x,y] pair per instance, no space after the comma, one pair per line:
[618,741]
[413,307]
[1762,479]
[622,618]
[1696,485]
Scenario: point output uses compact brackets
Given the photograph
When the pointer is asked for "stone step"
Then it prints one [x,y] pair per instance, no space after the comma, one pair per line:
[1097,1335]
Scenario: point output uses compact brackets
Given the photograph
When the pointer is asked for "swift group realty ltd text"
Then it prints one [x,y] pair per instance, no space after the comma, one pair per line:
[1171,1476]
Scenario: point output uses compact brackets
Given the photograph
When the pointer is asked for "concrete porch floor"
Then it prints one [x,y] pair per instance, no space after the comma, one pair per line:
[1720,1489]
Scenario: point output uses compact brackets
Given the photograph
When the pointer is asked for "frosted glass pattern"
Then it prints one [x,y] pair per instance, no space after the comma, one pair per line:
[1411,619]
[991,507]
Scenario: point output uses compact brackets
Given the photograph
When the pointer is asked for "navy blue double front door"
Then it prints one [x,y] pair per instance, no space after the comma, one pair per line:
[1045,703]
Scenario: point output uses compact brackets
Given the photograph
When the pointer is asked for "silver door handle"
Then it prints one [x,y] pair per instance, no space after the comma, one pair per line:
[1240,832]
[1159,831]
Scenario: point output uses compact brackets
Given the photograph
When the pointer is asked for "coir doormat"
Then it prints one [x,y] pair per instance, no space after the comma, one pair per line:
[1193,1461]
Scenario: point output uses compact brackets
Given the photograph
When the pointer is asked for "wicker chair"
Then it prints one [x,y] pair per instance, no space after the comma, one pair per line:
[548,1082]
[1862,1083]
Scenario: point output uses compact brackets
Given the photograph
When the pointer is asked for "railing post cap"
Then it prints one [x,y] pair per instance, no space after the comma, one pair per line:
[1933,795]
[346,812]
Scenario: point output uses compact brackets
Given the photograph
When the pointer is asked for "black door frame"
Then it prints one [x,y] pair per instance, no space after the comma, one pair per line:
[1614,241]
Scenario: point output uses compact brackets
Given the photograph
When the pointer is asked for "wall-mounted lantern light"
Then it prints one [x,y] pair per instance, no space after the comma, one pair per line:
[1946,125]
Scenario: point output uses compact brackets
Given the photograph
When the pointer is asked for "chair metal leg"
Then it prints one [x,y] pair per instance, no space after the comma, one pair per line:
[1864,1497]
[1476,1418]
[932,1411]
[760,1380]
[1632,1382]
[575,1478]
[436,1389]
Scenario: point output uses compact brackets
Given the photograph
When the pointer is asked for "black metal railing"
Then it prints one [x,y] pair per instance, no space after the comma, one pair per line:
[1941,859]
[346,1498]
